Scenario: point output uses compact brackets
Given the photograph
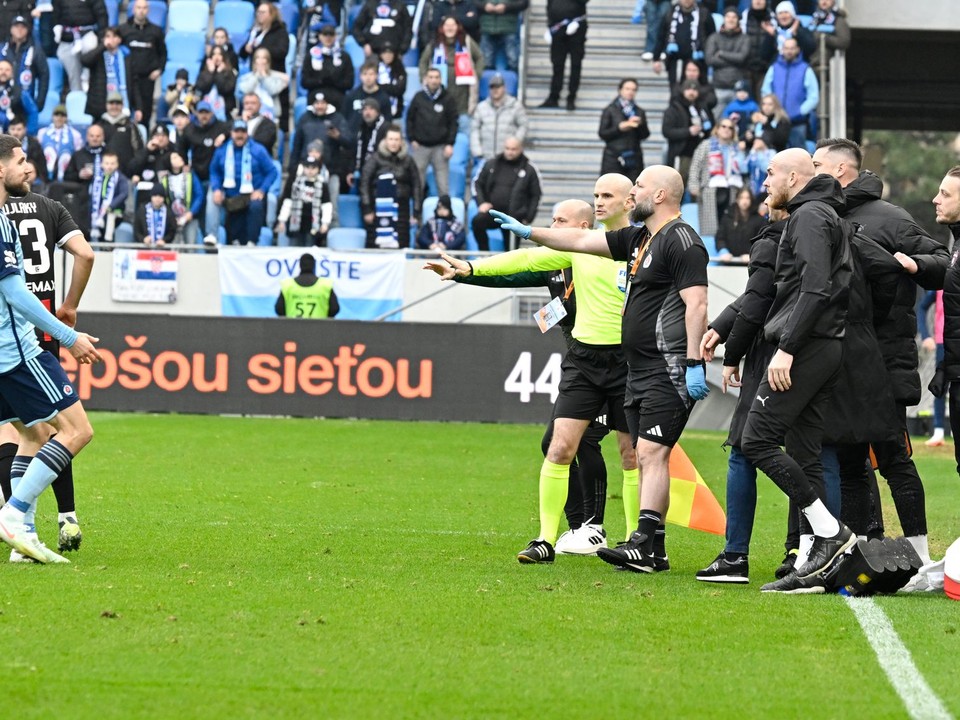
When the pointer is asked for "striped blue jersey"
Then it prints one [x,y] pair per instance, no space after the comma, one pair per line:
[18,340]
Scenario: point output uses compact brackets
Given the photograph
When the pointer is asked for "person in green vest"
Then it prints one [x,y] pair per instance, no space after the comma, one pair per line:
[306,295]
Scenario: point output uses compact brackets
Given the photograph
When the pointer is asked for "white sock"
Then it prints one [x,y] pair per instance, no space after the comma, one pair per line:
[919,543]
[937,434]
[823,523]
[803,552]
[63,516]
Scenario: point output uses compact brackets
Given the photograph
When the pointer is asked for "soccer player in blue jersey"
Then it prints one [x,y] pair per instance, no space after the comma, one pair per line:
[33,386]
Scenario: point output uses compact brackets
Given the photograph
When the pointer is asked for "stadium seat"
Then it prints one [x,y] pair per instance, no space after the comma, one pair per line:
[234,16]
[413,85]
[355,51]
[123,234]
[290,14]
[510,82]
[348,209]
[806,21]
[190,16]
[183,46]
[113,12]
[690,213]
[461,150]
[76,102]
[56,77]
[430,207]
[717,21]
[299,108]
[352,15]
[157,14]
[291,54]
[411,58]
[343,238]
[458,181]
[169,76]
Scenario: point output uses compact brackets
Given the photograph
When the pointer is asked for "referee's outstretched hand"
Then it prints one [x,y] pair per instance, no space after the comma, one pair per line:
[512,224]
[450,268]
[697,383]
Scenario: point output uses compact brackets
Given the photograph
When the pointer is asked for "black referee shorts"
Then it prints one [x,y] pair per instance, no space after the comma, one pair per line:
[656,404]
[592,384]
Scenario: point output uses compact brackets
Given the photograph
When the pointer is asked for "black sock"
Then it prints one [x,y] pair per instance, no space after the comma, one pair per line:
[63,490]
[647,527]
[7,453]
[660,542]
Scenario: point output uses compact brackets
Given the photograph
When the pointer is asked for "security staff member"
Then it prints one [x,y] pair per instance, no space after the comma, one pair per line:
[306,295]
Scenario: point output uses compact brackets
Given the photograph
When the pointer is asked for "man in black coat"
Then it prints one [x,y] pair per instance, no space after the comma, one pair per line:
[623,126]
[148,56]
[72,21]
[683,37]
[807,322]
[432,130]
[327,68]
[382,21]
[29,68]
[894,230]
[567,26]
[509,183]
[261,128]
[322,122]
[110,72]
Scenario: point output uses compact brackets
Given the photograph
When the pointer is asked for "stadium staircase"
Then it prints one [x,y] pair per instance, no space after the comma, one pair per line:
[565,145]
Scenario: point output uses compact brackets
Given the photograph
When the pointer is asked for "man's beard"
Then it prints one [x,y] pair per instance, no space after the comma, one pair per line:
[22,189]
[641,211]
[777,199]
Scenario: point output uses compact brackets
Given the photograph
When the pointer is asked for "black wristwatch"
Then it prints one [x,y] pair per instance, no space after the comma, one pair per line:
[695,363]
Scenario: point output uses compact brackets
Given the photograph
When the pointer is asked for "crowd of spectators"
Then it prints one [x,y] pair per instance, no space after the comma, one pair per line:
[229,136]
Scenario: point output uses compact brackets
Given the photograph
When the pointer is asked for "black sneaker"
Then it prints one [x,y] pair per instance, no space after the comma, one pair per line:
[538,551]
[629,555]
[723,570]
[793,584]
[825,552]
[550,102]
[787,566]
[571,103]
[661,563]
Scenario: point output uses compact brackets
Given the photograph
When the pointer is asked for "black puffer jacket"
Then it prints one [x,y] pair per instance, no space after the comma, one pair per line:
[740,323]
[409,184]
[951,313]
[862,407]
[896,231]
[813,269]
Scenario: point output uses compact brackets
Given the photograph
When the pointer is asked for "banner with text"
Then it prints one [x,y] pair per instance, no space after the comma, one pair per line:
[367,284]
[319,368]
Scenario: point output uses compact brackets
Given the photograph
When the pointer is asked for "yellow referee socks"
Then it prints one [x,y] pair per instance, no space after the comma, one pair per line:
[631,500]
[553,496]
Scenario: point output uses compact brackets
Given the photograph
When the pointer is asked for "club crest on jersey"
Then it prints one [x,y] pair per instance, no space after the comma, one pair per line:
[68,390]
[647,260]
[9,257]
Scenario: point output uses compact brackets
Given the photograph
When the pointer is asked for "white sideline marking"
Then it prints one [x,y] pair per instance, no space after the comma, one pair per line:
[895,660]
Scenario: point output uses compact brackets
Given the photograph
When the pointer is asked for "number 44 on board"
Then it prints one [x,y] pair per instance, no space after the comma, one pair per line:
[547,382]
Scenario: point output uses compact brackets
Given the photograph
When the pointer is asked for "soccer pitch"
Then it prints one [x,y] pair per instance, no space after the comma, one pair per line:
[249,568]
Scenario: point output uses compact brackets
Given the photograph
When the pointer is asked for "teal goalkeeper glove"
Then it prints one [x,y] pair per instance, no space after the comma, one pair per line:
[515,226]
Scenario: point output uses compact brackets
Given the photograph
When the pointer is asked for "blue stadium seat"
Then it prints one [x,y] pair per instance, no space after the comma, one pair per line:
[56,77]
[299,108]
[190,16]
[352,15]
[430,207]
[348,210]
[355,51]
[411,58]
[291,54]
[76,102]
[510,82]
[157,14]
[431,181]
[234,16]
[113,12]
[458,180]
[343,238]
[184,46]
[691,215]
[461,150]
[717,21]
[413,84]
[169,76]
[806,21]
[290,14]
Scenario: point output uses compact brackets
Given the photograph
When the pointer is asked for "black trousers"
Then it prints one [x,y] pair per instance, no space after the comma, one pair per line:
[955,420]
[483,222]
[794,417]
[561,46]
[896,466]
[142,85]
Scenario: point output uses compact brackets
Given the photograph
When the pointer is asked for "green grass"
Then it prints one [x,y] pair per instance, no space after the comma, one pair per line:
[248,568]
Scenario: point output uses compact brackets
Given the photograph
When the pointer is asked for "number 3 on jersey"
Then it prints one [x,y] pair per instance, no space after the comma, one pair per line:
[547,382]
[33,238]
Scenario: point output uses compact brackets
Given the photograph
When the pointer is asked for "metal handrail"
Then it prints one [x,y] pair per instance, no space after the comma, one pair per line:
[443,288]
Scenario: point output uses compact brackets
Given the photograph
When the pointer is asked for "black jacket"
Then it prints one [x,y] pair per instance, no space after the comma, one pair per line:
[813,269]
[140,227]
[199,142]
[685,47]
[124,139]
[148,46]
[951,312]
[264,132]
[39,68]
[432,122]
[409,182]
[277,41]
[740,323]
[896,231]
[676,129]
[558,10]
[331,74]
[620,143]
[97,91]
[226,83]
[736,236]
[516,181]
[9,9]
[862,408]
[79,13]
[396,29]
[337,154]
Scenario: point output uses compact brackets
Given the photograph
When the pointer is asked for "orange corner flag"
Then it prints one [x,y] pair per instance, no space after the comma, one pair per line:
[692,504]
